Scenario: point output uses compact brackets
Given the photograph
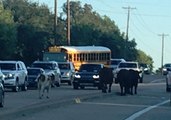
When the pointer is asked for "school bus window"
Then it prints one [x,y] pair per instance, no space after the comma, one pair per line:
[84,57]
[70,57]
[78,57]
[89,57]
[93,56]
[74,57]
[81,57]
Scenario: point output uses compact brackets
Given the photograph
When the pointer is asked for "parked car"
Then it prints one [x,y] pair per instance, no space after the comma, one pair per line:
[2,93]
[168,80]
[67,72]
[129,65]
[16,75]
[87,75]
[33,73]
[165,68]
[51,68]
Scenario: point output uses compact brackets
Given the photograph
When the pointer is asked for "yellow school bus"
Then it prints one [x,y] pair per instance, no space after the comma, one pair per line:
[83,54]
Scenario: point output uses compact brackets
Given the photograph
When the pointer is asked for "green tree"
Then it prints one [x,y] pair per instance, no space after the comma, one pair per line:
[34,28]
[143,58]
[7,34]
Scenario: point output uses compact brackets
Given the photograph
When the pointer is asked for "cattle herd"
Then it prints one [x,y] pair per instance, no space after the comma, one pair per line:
[127,79]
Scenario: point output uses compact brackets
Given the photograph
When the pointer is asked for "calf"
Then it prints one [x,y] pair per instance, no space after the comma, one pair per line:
[106,78]
[44,83]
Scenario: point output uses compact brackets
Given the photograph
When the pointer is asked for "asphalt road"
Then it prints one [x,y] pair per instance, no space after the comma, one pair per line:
[151,102]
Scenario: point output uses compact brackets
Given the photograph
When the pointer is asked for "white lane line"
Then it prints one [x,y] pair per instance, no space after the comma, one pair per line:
[137,114]
[112,104]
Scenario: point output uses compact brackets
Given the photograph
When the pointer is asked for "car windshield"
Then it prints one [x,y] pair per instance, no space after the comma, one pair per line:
[127,65]
[64,66]
[7,66]
[167,65]
[90,68]
[115,62]
[143,65]
[33,71]
[46,66]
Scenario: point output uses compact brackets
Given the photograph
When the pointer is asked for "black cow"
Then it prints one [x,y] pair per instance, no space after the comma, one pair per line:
[128,79]
[106,78]
[122,79]
[133,78]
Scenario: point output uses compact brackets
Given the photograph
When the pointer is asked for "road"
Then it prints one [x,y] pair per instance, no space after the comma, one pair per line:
[151,102]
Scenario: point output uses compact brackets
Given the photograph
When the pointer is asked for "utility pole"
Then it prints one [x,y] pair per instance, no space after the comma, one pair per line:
[127,28]
[68,23]
[128,16]
[55,21]
[163,36]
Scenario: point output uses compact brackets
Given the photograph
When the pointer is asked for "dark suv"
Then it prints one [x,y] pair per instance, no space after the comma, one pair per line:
[87,75]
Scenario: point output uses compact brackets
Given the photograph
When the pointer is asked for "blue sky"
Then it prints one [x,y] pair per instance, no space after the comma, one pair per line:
[150,19]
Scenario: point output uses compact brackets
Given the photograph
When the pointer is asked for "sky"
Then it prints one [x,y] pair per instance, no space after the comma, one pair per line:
[148,20]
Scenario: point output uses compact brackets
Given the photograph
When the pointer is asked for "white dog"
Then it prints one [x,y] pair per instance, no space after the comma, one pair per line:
[44,83]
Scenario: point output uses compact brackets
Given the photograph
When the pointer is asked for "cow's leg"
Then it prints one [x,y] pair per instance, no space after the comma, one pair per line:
[103,87]
[135,89]
[109,90]
[122,90]
[131,90]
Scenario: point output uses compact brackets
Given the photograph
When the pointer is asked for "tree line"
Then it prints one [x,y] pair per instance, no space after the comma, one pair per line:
[27,30]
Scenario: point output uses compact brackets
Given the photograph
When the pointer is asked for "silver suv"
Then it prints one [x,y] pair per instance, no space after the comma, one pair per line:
[15,75]
[51,68]
[67,72]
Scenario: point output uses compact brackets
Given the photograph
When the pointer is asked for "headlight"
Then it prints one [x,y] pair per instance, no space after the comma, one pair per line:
[10,75]
[145,69]
[95,76]
[164,69]
[77,76]
[66,73]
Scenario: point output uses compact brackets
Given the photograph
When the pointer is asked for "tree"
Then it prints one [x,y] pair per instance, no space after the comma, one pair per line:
[143,58]
[7,34]
[34,28]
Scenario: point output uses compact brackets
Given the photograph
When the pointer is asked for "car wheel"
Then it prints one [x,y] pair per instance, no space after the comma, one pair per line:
[2,101]
[75,86]
[99,87]
[24,87]
[167,88]
[82,87]
[16,87]
[69,83]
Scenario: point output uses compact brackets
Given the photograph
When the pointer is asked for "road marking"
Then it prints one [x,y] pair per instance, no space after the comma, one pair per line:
[113,104]
[157,80]
[137,114]
[77,100]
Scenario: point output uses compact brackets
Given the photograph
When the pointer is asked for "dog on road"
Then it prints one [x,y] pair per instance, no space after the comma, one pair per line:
[44,83]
